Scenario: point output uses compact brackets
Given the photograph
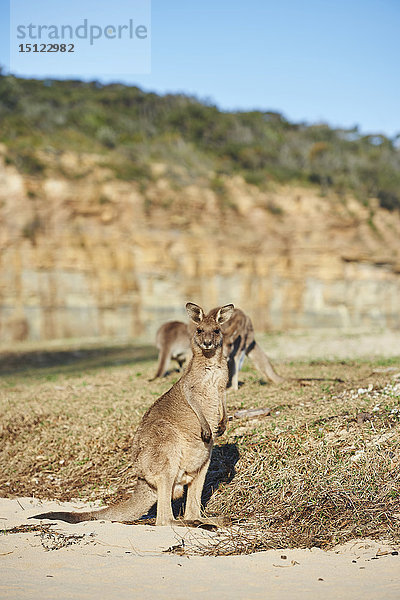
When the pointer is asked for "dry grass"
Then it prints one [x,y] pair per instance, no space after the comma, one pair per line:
[49,539]
[322,468]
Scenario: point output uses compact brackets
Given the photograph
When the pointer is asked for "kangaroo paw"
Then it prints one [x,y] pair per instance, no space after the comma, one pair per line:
[221,427]
[206,435]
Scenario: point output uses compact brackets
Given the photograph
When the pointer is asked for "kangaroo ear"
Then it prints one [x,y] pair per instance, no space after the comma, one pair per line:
[224,313]
[195,312]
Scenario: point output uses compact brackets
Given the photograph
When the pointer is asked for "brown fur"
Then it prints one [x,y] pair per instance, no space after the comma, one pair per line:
[172,445]
[239,341]
[173,343]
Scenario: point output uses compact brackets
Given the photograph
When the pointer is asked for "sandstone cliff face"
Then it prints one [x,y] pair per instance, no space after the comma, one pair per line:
[84,254]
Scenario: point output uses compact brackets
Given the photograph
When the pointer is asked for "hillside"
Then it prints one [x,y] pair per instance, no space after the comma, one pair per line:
[117,206]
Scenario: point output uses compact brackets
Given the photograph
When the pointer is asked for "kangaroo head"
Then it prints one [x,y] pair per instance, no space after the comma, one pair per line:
[208,334]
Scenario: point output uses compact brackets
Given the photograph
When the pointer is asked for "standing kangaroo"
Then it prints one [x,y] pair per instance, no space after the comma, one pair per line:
[173,341]
[173,443]
[239,342]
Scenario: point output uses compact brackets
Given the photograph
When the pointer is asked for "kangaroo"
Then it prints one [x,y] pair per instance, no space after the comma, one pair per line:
[239,341]
[173,443]
[173,342]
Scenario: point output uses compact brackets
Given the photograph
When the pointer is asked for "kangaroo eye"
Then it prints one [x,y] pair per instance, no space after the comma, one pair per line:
[217,331]
[199,330]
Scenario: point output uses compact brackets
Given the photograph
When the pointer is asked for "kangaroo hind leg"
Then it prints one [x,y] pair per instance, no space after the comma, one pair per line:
[163,363]
[165,486]
[193,496]
[193,502]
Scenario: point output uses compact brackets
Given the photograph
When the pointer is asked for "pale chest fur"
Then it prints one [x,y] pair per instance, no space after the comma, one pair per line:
[214,377]
[208,377]
[212,389]
[212,384]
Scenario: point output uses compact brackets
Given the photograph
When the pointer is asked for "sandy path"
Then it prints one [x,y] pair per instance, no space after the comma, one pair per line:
[121,561]
[331,344]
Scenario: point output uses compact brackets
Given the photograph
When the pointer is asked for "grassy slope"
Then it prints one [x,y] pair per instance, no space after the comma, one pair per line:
[324,467]
[129,129]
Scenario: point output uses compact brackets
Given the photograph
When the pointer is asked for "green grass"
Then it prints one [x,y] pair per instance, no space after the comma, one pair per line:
[130,129]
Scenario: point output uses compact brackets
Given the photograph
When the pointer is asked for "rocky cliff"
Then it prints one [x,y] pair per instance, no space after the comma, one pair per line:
[85,254]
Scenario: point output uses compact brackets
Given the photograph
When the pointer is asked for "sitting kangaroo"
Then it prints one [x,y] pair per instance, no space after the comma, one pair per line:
[172,445]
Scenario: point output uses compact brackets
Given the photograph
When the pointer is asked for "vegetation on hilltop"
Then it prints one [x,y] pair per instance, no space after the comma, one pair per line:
[132,128]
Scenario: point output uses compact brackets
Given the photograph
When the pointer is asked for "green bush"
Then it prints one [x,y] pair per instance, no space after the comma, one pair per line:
[136,128]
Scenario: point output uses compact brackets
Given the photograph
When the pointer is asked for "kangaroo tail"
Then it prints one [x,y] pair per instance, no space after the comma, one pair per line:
[163,361]
[69,517]
[262,363]
[141,500]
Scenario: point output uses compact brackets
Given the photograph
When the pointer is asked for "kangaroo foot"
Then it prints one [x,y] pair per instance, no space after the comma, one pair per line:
[199,524]
[210,523]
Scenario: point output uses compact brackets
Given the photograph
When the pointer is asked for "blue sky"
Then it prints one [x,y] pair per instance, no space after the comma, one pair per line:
[316,60]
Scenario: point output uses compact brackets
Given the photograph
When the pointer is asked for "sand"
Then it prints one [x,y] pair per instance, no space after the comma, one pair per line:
[113,560]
